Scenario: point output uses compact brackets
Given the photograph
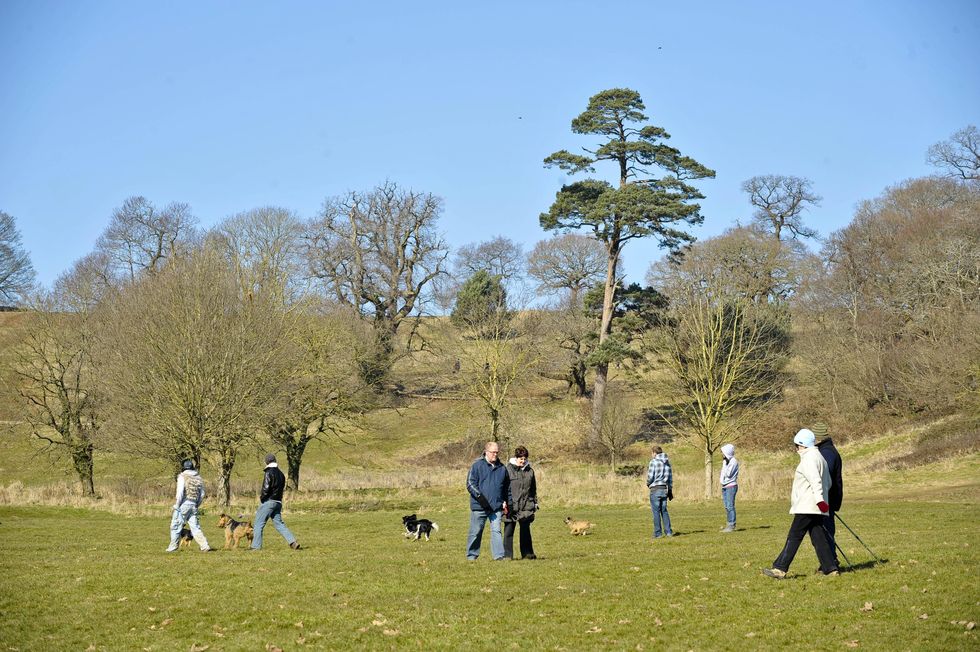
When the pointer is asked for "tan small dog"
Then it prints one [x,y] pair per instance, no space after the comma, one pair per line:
[235,530]
[578,527]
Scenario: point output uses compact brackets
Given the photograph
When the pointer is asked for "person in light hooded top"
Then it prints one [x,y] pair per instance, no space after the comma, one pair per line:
[729,485]
[187,502]
[808,505]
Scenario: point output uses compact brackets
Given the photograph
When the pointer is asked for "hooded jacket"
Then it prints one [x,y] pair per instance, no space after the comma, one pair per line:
[835,466]
[523,490]
[190,488]
[729,468]
[810,483]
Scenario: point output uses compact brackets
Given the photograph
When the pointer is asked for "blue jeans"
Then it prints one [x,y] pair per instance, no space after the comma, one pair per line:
[478,519]
[728,498]
[270,509]
[658,503]
[186,513]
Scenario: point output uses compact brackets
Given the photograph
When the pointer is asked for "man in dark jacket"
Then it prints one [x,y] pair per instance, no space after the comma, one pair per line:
[270,506]
[836,494]
[489,487]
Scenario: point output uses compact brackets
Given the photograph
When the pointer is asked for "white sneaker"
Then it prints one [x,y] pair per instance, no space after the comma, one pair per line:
[170,550]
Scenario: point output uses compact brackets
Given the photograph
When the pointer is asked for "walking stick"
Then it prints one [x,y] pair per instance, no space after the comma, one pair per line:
[858,538]
[836,545]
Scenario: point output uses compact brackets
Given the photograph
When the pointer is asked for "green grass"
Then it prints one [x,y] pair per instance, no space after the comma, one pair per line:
[77,578]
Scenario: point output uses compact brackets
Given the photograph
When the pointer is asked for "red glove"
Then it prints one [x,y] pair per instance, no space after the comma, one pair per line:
[824,507]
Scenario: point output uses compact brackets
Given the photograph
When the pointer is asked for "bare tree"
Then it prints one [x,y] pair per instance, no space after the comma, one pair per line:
[88,283]
[620,423]
[191,368]
[16,271]
[570,261]
[141,238]
[724,361]
[893,309]
[724,350]
[377,252]
[743,262]
[496,364]
[573,331]
[958,157]
[499,256]
[780,202]
[59,384]
[263,247]
[322,392]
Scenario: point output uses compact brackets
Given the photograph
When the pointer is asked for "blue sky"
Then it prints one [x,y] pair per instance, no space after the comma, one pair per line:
[234,105]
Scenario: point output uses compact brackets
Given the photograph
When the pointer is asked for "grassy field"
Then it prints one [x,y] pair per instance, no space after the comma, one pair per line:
[76,579]
[84,574]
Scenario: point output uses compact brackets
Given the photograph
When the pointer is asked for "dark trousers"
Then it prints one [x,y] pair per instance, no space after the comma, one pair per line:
[802,525]
[526,546]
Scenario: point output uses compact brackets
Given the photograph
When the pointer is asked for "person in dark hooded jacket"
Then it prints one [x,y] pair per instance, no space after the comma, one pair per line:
[836,495]
[524,493]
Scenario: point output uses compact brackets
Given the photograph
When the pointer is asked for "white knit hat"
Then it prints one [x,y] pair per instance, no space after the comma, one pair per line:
[728,450]
[805,437]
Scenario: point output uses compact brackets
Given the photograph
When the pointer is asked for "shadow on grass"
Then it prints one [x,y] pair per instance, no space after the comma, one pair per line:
[864,565]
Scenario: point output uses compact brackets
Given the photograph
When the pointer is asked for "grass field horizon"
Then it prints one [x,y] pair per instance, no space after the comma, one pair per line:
[82,579]
[88,574]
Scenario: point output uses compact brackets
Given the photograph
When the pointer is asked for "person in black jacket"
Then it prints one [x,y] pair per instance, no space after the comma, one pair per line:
[270,506]
[524,494]
[836,495]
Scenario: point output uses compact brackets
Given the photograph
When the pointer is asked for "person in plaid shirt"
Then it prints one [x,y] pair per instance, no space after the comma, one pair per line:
[660,481]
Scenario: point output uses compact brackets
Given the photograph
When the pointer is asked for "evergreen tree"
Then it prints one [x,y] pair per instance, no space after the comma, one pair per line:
[641,205]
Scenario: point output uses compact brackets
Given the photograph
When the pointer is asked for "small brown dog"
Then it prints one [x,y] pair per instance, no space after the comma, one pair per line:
[578,527]
[235,530]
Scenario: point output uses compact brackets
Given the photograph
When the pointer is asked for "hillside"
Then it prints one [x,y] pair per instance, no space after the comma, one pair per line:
[415,444]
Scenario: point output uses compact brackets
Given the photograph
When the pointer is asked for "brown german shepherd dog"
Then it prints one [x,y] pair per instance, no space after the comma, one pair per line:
[235,530]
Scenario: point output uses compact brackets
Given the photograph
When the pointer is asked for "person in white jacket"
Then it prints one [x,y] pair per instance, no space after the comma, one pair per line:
[811,485]
[728,478]
[190,495]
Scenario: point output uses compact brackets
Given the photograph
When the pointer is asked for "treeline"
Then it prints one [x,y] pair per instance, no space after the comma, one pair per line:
[170,341]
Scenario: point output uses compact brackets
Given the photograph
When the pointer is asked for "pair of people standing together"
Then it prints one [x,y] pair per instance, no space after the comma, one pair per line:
[660,482]
[506,496]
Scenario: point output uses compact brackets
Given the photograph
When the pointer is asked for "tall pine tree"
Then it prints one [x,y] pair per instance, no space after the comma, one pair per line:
[642,205]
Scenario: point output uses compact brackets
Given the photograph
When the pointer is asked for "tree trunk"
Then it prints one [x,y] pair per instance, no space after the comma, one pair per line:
[494,425]
[709,472]
[578,372]
[598,400]
[295,447]
[605,327]
[375,367]
[82,459]
[224,483]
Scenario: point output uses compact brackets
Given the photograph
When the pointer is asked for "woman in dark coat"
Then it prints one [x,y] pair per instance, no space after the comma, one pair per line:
[524,492]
